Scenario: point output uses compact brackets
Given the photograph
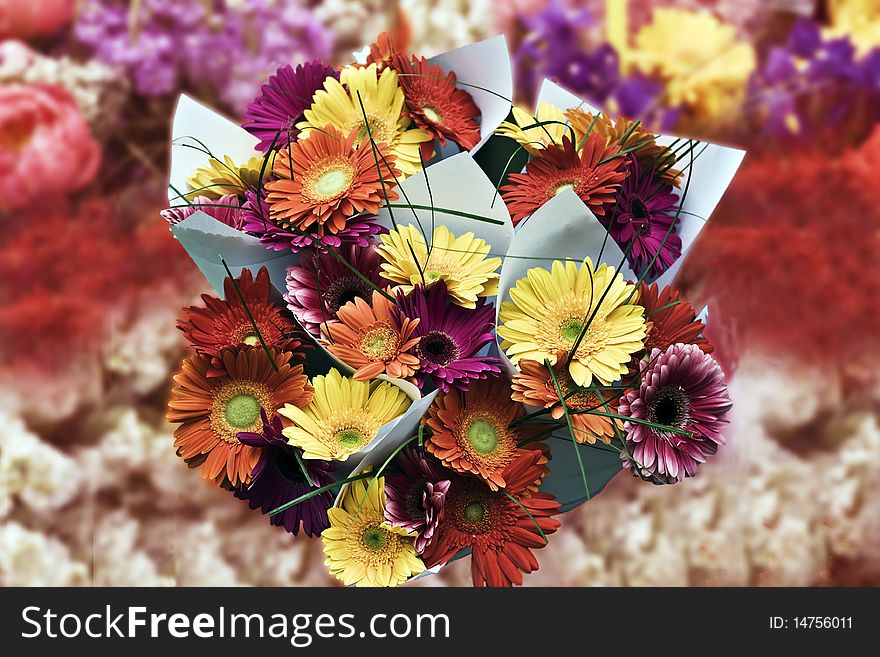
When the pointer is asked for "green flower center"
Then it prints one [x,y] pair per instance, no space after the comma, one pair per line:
[432,276]
[432,115]
[474,512]
[332,183]
[571,329]
[374,539]
[482,436]
[242,411]
[379,343]
[251,340]
[349,437]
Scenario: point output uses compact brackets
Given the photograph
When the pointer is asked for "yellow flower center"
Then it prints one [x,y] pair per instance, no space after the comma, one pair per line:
[374,538]
[382,128]
[431,114]
[563,326]
[251,340]
[350,438]
[562,187]
[236,408]
[379,342]
[347,430]
[328,180]
[371,543]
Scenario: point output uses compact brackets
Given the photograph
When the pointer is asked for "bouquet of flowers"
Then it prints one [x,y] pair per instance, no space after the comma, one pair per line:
[441,322]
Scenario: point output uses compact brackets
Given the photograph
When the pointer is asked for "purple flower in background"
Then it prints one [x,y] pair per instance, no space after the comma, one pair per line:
[279,477]
[416,497]
[216,45]
[641,218]
[450,336]
[320,284]
[272,116]
[256,220]
[225,209]
[681,387]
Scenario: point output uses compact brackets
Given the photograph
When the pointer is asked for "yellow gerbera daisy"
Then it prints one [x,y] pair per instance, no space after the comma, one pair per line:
[460,262]
[704,65]
[219,178]
[534,140]
[383,103]
[361,547]
[343,417]
[548,312]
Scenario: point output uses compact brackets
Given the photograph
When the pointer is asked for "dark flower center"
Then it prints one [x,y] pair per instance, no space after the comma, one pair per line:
[438,348]
[640,217]
[287,466]
[671,407]
[344,290]
[414,495]
[472,508]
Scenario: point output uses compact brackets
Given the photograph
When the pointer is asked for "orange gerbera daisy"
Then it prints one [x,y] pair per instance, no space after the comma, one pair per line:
[327,179]
[472,432]
[626,134]
[435,104]
[670,319]
[594,175]
[212,411]
[372,339]
[534,385]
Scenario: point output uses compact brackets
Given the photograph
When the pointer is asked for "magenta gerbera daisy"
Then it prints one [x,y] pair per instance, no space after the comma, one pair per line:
[273,115]
[416,496]
[255,219]
[450,337]
[320,284]
[681,387]
[226,209]
[640,219]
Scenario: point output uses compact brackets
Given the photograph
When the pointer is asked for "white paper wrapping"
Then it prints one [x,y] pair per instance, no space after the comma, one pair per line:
[196,129]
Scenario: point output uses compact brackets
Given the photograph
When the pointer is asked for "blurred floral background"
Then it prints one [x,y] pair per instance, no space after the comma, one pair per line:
[91,492]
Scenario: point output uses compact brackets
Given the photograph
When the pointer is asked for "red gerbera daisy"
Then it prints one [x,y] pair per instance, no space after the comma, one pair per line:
[213,411]
[670,319]
[327,179]
[225,323]
[500,527]
[388,44]
[472,432]
[435,104]
[594,175]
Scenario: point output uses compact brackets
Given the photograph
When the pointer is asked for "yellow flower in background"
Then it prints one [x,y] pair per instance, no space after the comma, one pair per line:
[698,57]
[225,177]
[460,262]
[339,104]
[534,140]
[343,417]
[857,19]
[361,548]
[549,310]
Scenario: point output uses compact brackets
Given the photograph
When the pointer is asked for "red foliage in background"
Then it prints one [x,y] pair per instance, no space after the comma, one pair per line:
[789,261]
[65,272]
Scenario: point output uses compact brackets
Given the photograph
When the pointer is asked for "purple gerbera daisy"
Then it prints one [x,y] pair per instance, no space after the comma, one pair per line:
[450,337]
[416,497]
[320,284]
[273,115]
[256,220]
[279,477]
[226,209]
[641,218]
[681,387]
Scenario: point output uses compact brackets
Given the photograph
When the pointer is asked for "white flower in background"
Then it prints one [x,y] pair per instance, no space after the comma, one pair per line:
[354,23]
[441,25]
[35,473]
[29,558]
[117,559]
[98,89]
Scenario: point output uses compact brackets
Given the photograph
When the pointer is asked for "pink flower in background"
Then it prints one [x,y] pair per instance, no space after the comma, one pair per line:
[46,148]
[20,19]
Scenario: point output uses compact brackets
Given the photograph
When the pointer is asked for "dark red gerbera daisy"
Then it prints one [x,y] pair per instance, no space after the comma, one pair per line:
[594,174]
[496,525]
[435,104]
[225,323]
